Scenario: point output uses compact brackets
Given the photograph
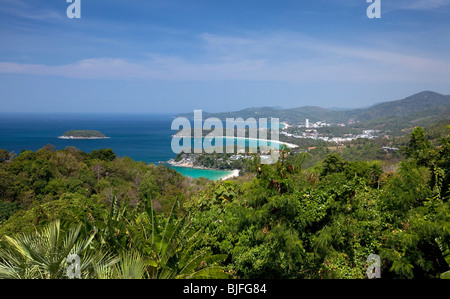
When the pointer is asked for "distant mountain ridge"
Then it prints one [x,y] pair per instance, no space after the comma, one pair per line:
[427,107]
[423,101]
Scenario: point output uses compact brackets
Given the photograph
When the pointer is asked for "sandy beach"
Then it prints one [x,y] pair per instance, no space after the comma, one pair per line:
[235,173]
[228,174]
[290,145]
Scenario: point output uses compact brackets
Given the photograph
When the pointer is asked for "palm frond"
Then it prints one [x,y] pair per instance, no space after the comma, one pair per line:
[43,254]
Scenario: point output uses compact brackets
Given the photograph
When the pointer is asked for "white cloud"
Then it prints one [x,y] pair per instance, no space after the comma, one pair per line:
[426,4]
[274,57]
[421,5]
[32,10]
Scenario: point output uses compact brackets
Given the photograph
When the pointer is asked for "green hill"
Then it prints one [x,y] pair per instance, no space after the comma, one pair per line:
[422,109]
[423,104]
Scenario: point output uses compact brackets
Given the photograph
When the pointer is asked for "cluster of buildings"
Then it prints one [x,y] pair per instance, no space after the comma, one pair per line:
[318,124]
[312,133]
[239,157]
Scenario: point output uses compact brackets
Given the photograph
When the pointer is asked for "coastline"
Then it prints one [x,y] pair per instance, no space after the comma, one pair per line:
[234,174]
[230,173]
[289,145]
[187,165]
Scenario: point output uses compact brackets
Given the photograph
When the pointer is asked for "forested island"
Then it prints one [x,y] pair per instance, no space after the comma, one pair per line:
[83,134]
[128,219]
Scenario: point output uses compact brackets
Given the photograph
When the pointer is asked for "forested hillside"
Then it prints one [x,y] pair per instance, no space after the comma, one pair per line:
[422,109]
[127,219]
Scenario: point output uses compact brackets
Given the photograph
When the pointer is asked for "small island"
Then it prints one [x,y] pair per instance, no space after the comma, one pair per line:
[82,134]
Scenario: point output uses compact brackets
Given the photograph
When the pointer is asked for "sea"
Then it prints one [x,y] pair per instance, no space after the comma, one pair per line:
[145,138]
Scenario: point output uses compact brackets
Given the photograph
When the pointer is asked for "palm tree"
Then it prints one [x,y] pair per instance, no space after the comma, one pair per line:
[44,254]
[171,247]
[164,248]
[128,265]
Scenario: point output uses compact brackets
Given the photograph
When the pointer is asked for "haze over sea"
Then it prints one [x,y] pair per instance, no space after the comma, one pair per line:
[144,138]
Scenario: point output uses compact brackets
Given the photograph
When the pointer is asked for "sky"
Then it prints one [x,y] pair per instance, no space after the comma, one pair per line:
[175,56]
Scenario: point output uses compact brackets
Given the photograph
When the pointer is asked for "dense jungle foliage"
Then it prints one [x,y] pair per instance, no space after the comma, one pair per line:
[127,219]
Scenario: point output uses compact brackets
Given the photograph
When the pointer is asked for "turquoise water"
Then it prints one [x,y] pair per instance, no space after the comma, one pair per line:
[144,138]
[197,173]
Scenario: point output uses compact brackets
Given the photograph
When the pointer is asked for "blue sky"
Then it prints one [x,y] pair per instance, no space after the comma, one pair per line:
[153,56]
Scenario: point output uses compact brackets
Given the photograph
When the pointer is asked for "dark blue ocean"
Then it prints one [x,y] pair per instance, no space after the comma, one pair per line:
[144,138]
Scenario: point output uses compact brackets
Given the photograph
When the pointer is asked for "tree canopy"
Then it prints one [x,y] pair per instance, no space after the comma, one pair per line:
[127,219]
